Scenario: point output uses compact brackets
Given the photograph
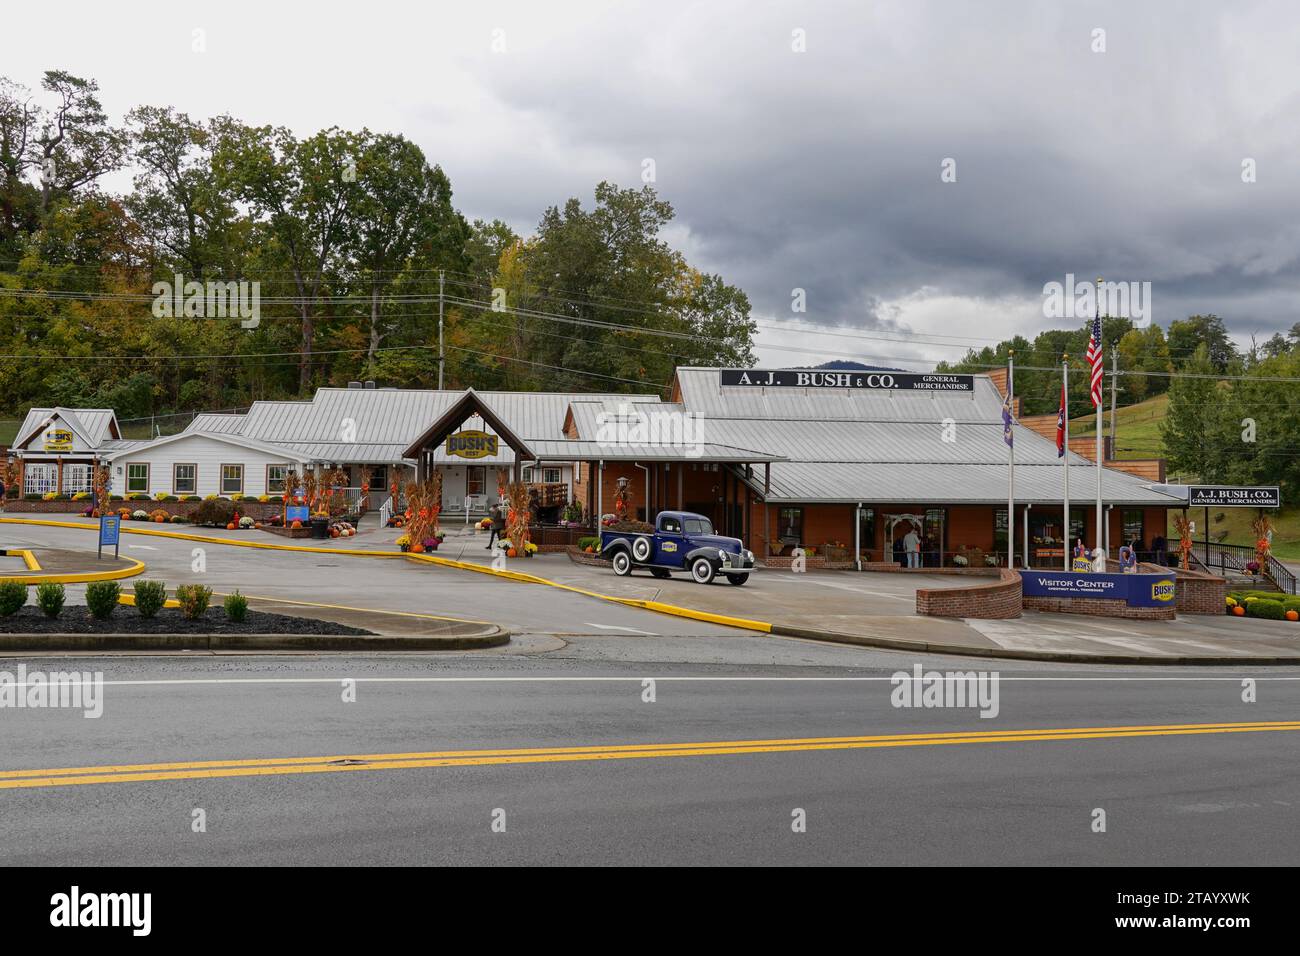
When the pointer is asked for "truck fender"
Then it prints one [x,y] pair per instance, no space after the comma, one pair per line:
[713,554]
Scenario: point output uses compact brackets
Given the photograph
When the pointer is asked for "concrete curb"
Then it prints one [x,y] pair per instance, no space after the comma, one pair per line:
[1001,653]
[491,636]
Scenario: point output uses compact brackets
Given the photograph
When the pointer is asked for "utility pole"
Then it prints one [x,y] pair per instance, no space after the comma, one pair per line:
[442,358]
[1114,376]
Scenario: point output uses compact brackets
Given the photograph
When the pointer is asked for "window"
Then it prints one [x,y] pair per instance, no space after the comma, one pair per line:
[550,476]
[76,478]
[137,478]
[276,476]
[1134,529]
[669,525]
[378,477]
[185,479]
[867,529]
[1000,531]
[39,479]
[698,526]
[789,524]
[475,479]
[232,479]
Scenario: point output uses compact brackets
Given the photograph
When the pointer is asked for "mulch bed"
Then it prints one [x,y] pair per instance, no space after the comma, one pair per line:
[127,620]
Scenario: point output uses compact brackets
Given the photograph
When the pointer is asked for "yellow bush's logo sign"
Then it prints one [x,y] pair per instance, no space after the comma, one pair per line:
[58,439]
[472,444]
[1162,590]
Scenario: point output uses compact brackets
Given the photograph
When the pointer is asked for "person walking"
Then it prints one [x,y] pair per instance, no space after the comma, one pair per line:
[912,548]
[498,525]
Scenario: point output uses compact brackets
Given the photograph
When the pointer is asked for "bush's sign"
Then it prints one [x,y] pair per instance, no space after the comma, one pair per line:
[1231,496]
[1135,590]
[58,439]
[471,444]
[812,378]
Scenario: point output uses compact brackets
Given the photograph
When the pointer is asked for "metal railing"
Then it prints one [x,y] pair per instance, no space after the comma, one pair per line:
[1235,557]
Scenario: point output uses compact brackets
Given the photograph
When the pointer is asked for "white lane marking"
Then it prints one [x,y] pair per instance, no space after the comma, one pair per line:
[633,679]
[615,627]
[141,547]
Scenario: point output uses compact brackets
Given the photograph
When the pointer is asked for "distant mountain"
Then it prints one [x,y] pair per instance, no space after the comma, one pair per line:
[840,365]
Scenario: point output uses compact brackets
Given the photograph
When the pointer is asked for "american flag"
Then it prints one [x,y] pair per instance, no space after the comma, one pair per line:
[1095,359]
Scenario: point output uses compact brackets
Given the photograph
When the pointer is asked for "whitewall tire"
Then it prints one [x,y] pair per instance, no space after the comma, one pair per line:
[702,571]
[641,549]
[622,564]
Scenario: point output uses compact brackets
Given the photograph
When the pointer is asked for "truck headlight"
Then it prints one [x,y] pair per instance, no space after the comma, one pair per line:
[749,555]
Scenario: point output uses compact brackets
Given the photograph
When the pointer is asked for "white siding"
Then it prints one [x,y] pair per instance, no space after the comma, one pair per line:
[208,454]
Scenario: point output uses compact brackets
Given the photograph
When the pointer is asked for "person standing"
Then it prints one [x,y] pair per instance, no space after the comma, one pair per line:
[912,548]
[498,525]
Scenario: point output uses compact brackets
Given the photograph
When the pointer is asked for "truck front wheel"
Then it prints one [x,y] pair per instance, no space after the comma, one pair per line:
[702,571]
[622,564]
[737,579]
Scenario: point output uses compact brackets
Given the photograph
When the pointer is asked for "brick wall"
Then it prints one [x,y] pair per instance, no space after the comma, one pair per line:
[998,598]
[1200,593]
[1100,607]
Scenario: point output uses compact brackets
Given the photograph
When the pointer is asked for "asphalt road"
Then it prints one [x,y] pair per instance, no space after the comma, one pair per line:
[416,769]
[1201,799]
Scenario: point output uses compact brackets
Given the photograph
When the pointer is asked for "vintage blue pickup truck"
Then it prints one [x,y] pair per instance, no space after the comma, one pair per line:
[681,541]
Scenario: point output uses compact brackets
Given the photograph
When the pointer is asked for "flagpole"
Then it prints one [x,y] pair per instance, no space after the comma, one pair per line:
[1098,404]
[1011,470]
[1065,456]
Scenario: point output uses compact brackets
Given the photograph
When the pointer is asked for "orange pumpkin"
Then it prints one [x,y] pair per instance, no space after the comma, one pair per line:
[159,520]
[296,523]
[417,549]
[1292,615]
[231,526]
[512,553]
[589,549]
[1239,611]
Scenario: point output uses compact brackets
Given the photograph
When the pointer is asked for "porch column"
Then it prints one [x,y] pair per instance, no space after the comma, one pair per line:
[681,468]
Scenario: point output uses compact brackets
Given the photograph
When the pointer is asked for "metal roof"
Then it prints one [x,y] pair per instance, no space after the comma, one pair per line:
[851,482]
[93,424]
[567,450]
[224,423]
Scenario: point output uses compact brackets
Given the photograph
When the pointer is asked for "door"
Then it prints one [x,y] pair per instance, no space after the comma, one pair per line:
[669,543]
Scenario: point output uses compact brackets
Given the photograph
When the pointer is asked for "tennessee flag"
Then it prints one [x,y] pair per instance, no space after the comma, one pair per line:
[1060,426]
[1006,422]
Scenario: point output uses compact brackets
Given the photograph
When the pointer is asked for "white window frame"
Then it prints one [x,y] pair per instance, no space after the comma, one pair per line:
[547,472]
[221,482]
[40,477]
[284,479]
[147,473]
[78,476]
[194,479]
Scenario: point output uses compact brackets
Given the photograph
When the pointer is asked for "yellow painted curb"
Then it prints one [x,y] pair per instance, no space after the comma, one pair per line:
[129,599]
[136,567]
[29,559]
[764,627]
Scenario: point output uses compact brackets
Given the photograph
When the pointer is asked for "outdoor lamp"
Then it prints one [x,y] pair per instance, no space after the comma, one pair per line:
[622,482]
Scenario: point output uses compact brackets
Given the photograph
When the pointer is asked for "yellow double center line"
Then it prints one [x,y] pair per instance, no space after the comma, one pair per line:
[135,773]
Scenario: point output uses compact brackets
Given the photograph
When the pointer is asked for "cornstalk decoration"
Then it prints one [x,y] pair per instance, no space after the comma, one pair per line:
[290,487]
[425,502]
[1262,526]
[335,481]
[103,479]
[10,478]
[516,494]
[1184,528]
[363,501]
[311,490]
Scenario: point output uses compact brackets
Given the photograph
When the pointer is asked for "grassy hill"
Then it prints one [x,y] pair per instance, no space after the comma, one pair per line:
[1137,427]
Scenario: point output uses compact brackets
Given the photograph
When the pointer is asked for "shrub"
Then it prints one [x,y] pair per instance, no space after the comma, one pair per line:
[49,597]
[150,596]
[13,595]
[236,606]
[1269,610]
[588,542]
[101,598]
[214,511]
[194,599]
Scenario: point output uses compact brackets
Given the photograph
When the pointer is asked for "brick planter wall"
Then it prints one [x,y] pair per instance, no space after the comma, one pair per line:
[816,562]
[1100,607]
[994,599]
[582,557]
[257,510]
[1200,593]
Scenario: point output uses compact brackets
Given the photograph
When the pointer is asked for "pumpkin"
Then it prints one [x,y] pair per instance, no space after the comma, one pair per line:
[589,549]
[1239,611]
[1292,615]
[297,523]
[512,553]
[417,548]
[231,526]
[159,520]
[334,532]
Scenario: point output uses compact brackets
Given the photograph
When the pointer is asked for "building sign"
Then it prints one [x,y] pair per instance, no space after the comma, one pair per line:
[58,439]
[815,378]
[472,444]
[110,534]
[1234,496]
[1135,590]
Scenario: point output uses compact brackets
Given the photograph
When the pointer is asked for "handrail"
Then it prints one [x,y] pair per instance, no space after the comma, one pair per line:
[1235,557]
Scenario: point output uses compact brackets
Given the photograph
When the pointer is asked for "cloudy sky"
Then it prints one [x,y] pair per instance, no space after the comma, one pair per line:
[817,169]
